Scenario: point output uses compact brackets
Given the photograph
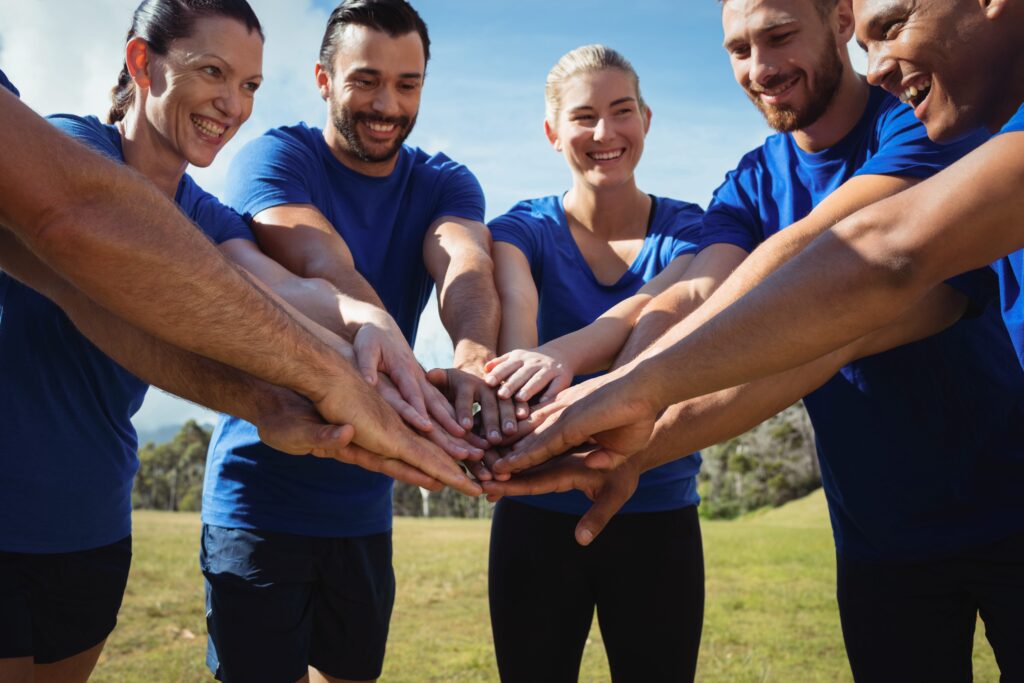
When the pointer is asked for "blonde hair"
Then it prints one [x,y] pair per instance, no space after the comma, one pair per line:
[584,59]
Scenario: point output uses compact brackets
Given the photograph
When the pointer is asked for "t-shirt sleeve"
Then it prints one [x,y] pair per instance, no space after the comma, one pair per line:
[461,195]
[518,228]
[903,147]
[6,83]
[1015,124]
[88,131]
[270,171]
[685,230]
[218,222]
[732,216]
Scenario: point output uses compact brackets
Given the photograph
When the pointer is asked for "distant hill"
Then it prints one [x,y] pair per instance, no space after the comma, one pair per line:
[162,434]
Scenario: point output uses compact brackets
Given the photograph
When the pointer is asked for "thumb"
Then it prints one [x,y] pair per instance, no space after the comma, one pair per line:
[369,358]
[439,378]
[598,516]
[326,438]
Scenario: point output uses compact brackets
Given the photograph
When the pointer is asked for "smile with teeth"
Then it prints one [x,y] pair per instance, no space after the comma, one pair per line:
[916,94]
[378,127]
[606,156]
[207,126]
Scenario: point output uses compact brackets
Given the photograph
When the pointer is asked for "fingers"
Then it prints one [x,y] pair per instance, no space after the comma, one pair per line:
[517,379]
[559,384]
[440,409]
[403,408]
[489,414]
[464,399]
[395,469]
[431,460]
[604,459]
[299,437]
[408,382]
[522,410]
[551,438]
[507,415]
[500,368]
[368,356]
[597,517]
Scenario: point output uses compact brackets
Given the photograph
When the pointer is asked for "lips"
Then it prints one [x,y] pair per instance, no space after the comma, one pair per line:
[608,155]
[775,90]
[209,129]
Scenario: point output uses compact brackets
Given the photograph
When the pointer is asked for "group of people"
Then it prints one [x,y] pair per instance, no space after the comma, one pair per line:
[604,335]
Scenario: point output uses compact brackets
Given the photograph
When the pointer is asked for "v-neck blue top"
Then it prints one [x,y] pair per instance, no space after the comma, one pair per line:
[571,297]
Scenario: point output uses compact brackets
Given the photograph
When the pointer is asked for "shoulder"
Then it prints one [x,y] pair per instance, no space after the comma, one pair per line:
[437,163]
[531,214]
[213,217]
[88,129]
[298,140]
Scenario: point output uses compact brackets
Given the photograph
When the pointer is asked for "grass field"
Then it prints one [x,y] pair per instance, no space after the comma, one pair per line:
[770,614]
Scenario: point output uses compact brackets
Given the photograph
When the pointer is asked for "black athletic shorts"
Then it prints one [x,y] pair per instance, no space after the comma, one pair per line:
[56,605]
[278,603]
[644,575]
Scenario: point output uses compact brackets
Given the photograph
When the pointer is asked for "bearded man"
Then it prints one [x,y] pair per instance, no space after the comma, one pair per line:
[919,434]
[297,551]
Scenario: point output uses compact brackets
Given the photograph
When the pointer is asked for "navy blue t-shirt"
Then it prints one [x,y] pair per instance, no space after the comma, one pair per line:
[68,450]
[384,222]
[571,297]
[921,447]
[1010,270]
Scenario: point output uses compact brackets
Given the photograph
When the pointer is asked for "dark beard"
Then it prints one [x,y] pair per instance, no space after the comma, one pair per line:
[827,78]
[345,122]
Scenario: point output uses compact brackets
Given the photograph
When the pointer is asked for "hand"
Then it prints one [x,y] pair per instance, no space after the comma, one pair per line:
[464,388]
[469,447]
[609,489]
[381,436]
[612,412]
[524,372]
[380,347]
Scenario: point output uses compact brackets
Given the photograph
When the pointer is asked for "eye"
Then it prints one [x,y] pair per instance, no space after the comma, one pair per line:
[625,110]
[252,86]
[365,83]
[408,87]
[740,51]
[211,70]
[891,28]
[782,38]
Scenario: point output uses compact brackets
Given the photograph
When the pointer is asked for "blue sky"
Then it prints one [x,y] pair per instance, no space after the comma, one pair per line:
[482,104]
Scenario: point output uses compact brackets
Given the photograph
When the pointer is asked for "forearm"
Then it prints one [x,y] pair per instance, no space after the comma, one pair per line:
[111,234]
[469,309]
[658,316]
[594,348]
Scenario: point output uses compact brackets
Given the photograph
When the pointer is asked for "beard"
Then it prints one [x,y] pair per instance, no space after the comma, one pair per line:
[827,77]
[346,122]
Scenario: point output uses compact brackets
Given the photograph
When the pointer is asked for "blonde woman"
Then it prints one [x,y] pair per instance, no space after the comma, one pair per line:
[573,272]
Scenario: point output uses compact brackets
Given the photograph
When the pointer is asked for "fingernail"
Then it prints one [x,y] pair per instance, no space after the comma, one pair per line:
[510,426]
[585,537]
[495,434]
[521,396]
[466,423]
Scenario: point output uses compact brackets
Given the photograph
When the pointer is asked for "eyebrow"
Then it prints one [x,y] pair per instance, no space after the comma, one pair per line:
[884,15]
[621,100]
[192,58]
[367,71]
[733,42]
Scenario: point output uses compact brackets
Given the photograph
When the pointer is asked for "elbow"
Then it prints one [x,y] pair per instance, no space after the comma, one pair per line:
[881,244]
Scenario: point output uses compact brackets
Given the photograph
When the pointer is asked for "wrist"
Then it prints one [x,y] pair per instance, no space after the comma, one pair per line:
[471,357]
[561,354]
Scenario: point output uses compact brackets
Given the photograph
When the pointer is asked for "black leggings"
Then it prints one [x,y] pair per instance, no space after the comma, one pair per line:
[644,574]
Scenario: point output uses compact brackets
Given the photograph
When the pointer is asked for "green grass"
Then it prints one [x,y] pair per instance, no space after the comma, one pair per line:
[770,614]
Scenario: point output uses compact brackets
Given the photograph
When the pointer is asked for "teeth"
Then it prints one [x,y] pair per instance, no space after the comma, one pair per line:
[381,127]
[911,93]
[605,156]
[208,127]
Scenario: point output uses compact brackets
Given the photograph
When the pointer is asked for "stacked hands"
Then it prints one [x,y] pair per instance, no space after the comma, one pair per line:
[478,416]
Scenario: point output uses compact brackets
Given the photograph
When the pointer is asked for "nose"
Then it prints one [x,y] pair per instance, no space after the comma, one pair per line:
[763,66]
[385,102]
[229,103]
[880,65]
[603,130]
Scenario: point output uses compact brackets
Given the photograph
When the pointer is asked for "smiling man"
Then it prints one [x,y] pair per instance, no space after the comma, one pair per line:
[297,554]
[916,443]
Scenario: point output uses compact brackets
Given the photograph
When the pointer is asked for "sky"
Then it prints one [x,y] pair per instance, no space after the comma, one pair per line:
[483,100]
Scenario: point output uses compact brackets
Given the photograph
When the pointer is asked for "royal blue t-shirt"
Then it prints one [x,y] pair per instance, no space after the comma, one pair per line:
[68,450]
[921,447]
[571,297]
[5,83]
[1010,270]
[384,222]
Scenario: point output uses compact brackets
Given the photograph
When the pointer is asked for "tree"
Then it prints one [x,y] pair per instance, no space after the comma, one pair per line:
[170,475]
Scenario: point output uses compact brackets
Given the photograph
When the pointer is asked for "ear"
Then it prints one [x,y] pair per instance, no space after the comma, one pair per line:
[552,136]
[323,81]
[992,8]
[648,114]
[844,22]
[136,57]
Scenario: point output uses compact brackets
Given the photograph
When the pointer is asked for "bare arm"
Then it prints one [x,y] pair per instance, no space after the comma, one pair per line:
[457,254]
[112,234]
[303,241]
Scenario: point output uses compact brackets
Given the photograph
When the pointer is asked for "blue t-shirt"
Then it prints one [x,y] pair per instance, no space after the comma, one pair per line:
[384,222]
[6,83]
[921,447]
[571,297]
[68,451]
[1010,270]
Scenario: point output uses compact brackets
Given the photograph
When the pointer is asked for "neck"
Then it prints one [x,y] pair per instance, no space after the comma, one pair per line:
[339,147]
[608,212]
[842,114]
[1013,92]
[144,152]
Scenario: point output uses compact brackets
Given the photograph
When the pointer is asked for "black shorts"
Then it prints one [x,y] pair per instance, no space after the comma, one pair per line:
[644,575]
[915,621]
[278,603]
[56,605]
